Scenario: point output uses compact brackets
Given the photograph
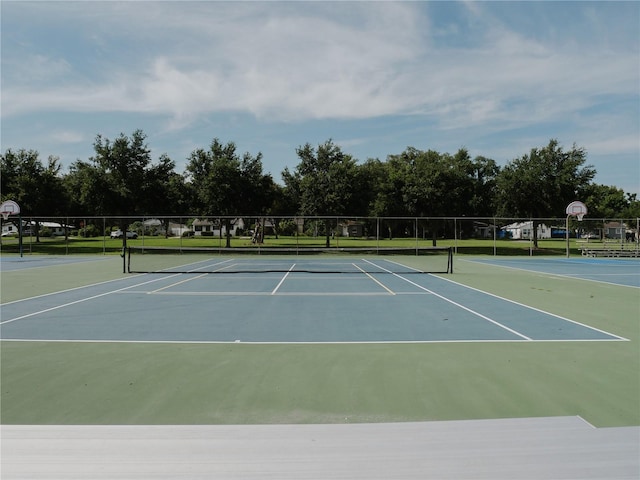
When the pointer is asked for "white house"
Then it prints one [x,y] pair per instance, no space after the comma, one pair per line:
[155,226]
[28,228]
[203,227]
[57,229]
[524,230]
[8,228]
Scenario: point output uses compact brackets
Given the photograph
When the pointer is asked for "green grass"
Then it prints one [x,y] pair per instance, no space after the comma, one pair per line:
[106,245]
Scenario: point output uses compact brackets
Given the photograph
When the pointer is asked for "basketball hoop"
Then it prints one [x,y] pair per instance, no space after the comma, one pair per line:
[7,208]
[574,209]
[577,209]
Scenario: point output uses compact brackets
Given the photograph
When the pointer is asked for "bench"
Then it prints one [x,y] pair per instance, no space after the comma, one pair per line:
[610,252]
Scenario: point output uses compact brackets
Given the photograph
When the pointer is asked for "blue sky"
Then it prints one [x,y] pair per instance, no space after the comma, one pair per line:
[496,78]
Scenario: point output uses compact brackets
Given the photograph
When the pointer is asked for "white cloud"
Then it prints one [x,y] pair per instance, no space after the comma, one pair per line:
[286,64]
[67,136]
[471,74]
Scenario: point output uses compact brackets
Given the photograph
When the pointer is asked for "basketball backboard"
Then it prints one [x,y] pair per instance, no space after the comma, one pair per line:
[577,209]
[9,207]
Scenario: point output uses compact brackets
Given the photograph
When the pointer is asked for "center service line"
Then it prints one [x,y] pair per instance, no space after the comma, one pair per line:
[283,279]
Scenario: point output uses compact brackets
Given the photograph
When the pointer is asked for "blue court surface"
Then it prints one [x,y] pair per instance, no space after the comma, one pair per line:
[616,271]
[373,300]
[15,263]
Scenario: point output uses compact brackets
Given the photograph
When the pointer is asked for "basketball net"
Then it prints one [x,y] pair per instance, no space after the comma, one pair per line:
[5,215]
[579,216]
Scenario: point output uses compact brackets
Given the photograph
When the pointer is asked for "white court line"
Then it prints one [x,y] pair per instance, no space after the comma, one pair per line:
[82,300]
[537,309]
[374,279]
[257,294]
[274,291]
[170,270]
[294,342]
[484,317]
[65,291]
[528,306]
[176,283]
[197,276]
[559,275]
[214,265]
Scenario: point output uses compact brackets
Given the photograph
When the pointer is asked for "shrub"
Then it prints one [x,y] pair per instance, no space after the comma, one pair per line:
[90,231]
[287,227]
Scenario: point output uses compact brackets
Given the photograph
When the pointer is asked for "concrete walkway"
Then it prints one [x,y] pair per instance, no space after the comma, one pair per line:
[536,448]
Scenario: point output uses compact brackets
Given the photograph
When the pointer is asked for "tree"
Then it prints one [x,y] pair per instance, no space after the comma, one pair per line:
[604,202]
[542,183]
[36,187]
[429,184]
[121,179]
[484,172]
[322,182]
[633,208]
[224,184]
[88,189]
[124,164]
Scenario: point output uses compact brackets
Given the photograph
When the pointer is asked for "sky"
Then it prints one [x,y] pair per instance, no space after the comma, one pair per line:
[495,78]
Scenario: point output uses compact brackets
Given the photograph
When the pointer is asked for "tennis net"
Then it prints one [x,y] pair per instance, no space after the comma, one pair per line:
[310,260]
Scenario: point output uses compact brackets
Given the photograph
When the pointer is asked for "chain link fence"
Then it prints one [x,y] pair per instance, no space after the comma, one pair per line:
[467,235]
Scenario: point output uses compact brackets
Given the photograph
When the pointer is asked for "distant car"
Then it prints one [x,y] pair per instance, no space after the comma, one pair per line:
[590,235]
[118,234]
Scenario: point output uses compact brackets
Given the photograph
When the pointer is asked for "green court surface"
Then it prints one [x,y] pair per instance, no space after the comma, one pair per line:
[139,371]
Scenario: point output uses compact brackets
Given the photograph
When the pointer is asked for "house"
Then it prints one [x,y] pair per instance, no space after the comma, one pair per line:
[486,230]
[213,228]
[9,228]
[56,229]
[155,226]
[352,228]
[204,227]
[29,228]
[524,230]
[615,230]
[178,229]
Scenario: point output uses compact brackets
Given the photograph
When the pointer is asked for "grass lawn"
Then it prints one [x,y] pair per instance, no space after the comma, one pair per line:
[106,245]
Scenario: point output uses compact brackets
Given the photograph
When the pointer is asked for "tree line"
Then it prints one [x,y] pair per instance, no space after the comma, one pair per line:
[121,179]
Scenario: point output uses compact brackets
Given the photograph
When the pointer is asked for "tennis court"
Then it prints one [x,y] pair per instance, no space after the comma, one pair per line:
[328,340]
[299,300]
[624,272]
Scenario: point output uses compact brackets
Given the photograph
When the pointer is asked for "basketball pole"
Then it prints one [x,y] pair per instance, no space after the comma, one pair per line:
[20,233]
[574,209]
[566,231]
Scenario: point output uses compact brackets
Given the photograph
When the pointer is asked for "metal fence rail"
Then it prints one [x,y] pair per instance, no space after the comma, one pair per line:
[111,233]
